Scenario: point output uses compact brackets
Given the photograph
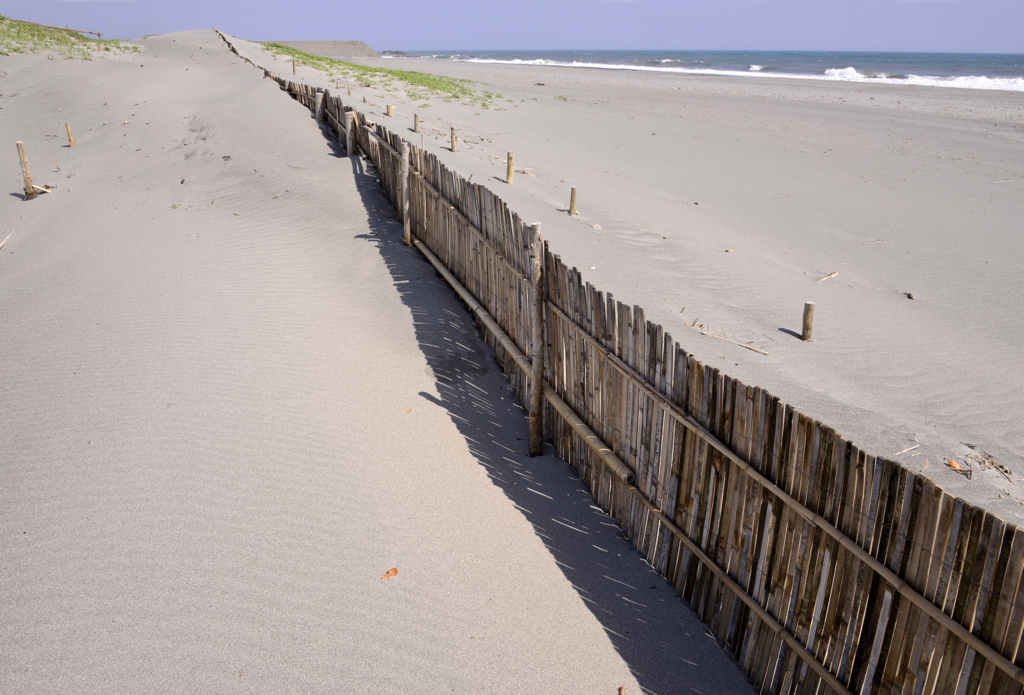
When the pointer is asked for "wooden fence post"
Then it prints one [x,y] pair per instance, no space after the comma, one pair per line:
[405,193]
[350,90]
[572,201]
[537,342]
[350,133]
[453,139]
[30,191]
[391,111]
[808,321]
[415,123]
[508,170]
[318,107]
[71,138]
[294,70]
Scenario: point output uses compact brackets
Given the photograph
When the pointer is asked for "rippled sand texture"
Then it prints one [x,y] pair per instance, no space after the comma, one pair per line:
[232,401]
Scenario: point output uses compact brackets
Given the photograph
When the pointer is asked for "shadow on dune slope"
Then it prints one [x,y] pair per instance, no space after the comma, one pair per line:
[666,647]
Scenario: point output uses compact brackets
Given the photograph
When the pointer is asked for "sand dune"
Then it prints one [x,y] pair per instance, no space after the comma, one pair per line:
[898,189]
[332,49]
[232,400]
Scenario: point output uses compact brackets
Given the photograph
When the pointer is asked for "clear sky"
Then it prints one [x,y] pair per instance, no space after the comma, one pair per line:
[960,26]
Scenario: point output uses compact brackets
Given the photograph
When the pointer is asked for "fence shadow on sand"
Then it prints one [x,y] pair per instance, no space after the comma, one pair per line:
[660,639]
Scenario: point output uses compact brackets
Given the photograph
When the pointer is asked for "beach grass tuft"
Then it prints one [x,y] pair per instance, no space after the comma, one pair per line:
[22,37]
[416,84]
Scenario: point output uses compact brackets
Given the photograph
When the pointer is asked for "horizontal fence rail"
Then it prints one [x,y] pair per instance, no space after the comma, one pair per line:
[821,567]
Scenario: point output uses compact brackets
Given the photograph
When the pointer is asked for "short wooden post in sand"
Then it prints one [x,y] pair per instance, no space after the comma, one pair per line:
[572,201]
[350,133]
[808,321]
[508,169]
[391,111]
[350,90]
[71,138]
[415,123]
[407,225]
[536,342]
[454,138]
[294,69]
[30,190]
[318,107]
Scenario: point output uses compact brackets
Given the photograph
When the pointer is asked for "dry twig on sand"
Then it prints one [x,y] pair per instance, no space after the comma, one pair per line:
[909,449]
[985,460]
[830,275]
[712,335]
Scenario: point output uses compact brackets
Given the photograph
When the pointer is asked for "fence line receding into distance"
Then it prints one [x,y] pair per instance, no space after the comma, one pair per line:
[821,567]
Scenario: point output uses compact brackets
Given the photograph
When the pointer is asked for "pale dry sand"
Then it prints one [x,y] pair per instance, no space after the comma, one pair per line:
[232,400]
[897,189]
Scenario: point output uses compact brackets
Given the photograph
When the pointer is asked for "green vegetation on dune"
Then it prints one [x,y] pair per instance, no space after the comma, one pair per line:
[418,85]
[23,37]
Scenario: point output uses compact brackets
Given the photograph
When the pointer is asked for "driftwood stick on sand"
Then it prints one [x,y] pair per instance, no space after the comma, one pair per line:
[808,322]
[5,240]
[830,275]
[712,335]
[30,191]
[71,138]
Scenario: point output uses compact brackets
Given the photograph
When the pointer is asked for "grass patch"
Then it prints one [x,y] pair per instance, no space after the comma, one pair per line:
[561,98]
[415,83]
[22,37]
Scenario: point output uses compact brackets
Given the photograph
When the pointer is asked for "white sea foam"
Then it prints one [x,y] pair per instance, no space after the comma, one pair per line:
[843,74]
[1014,84]
[847,74]
[756,68]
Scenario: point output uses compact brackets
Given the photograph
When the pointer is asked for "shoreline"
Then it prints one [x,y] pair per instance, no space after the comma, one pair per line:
[843,71]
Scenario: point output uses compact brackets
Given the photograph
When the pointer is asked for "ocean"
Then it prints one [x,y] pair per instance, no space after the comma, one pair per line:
[958,70]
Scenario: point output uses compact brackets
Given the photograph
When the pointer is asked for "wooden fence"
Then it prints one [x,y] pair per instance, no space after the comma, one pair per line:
[821,567]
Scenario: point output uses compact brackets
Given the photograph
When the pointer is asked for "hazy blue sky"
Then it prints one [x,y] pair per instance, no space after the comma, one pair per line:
[986,26]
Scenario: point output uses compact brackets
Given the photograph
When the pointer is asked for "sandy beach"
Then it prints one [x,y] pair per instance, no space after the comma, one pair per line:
[233,401]
[722,205]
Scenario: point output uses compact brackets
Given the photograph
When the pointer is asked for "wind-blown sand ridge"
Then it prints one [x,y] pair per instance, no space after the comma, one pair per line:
[232,400]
